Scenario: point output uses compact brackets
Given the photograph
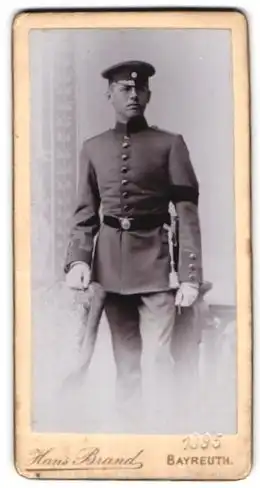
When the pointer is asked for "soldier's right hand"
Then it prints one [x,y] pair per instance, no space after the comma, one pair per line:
[78,277]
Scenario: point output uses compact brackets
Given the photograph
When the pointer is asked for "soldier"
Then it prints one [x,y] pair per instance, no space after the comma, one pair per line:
[135,171]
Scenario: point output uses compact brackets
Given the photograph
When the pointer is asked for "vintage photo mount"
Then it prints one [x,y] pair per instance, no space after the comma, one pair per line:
[61,456]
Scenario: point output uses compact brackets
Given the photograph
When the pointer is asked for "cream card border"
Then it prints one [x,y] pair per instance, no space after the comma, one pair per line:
[152,451]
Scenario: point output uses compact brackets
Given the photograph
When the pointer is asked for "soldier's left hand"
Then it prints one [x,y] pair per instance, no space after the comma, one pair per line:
[187,294]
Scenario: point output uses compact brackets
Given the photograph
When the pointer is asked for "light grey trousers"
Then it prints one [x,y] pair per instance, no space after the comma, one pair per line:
[142,331]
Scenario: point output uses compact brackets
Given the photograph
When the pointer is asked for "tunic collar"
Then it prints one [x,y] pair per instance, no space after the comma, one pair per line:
[136,124]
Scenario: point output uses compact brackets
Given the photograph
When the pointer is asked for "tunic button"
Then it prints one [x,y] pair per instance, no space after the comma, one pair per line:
[126,208]
[192,267]
[126,138]
[124,182]
[125,144]
[124,156]
[124,169]
[192,277]
[192,256]
[125,194]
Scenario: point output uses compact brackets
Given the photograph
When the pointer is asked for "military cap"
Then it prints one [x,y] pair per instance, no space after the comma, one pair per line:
[135,71]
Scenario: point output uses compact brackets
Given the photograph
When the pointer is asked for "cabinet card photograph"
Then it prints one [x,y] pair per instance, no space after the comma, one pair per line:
[132,245]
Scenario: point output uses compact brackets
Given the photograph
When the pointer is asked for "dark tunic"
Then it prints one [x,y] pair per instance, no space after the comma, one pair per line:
[135,170]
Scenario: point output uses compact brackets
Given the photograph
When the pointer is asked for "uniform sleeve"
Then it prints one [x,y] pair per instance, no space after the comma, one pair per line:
[85,220]
[184,193]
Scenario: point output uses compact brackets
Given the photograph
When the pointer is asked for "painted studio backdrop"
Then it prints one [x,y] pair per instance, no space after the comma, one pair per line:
[192,95]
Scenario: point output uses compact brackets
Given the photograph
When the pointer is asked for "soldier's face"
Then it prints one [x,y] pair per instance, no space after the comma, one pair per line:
[128,100]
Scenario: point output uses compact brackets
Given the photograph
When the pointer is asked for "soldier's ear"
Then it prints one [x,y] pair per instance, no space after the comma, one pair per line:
[109,91]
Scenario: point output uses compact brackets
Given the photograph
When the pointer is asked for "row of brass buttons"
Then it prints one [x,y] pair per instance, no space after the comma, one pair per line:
[124,169]
[192,267]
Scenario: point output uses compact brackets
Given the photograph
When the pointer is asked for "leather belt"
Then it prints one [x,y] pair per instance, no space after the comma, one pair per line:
[142,222]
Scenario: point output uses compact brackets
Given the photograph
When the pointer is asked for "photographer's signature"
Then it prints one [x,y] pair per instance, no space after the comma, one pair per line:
[86,458]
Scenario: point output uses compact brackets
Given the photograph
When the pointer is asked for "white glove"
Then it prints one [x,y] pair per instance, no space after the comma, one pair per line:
[187,294]
[78,277]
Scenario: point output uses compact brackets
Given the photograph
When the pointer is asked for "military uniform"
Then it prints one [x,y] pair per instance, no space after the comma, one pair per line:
[134,171]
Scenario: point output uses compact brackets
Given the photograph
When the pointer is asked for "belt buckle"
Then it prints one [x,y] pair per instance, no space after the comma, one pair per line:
[125,223]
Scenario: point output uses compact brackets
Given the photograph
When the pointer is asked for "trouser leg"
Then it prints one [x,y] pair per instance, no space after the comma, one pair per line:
[157,323]
[186,354]
[123,318]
